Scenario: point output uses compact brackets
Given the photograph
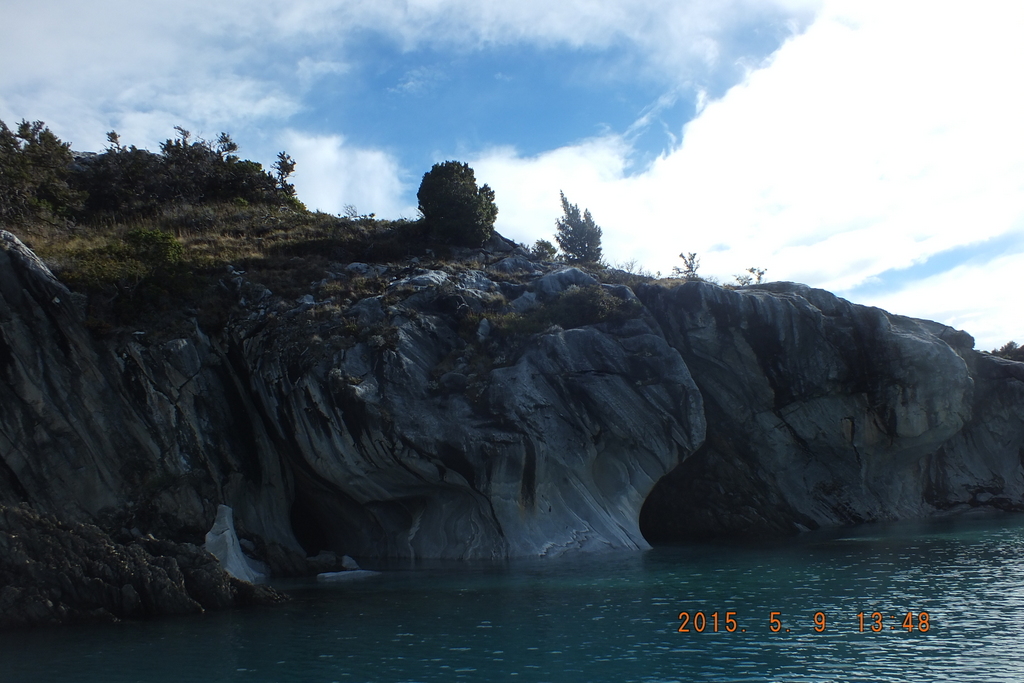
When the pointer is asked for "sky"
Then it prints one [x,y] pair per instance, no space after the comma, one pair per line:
[874,149]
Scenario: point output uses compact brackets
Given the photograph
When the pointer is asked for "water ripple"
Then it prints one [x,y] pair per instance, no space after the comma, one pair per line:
[605,618]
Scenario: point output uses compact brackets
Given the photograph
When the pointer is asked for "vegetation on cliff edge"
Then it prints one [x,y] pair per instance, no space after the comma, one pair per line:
[153,240]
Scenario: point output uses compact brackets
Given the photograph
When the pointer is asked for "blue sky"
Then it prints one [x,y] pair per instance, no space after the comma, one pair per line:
[870,148]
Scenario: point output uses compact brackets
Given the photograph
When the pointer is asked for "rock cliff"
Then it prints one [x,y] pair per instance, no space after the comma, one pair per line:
[823,413]
[492,406]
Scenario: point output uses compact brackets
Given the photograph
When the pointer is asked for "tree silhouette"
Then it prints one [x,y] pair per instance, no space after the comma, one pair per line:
[454,209]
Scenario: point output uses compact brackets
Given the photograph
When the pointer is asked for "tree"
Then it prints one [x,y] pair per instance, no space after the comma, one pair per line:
[34,170]
[127,180]
[690,266]
[543,251]
[283,168]
[1010,350]
[578,236]
[454,209]
[755,277]
[121,180]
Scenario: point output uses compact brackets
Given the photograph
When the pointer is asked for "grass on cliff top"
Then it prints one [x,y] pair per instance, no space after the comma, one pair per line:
[155,272]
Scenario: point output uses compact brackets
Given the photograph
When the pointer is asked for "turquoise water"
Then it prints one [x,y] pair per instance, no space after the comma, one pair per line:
[604,618]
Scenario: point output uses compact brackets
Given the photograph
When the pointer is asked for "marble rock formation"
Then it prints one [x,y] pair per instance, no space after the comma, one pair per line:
[551,448]
[222,543]
[452,417]
[823,413]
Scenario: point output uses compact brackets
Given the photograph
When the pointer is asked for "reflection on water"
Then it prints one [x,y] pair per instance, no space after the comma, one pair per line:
[606,618]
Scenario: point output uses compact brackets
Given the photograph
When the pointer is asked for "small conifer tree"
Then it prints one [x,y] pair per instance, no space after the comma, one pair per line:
[691,264]
[578,236]
[34,170]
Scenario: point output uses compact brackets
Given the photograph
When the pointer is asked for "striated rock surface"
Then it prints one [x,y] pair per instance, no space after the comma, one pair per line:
[552,449]
[822,413]
[359,442]
[492,407]
[150,437]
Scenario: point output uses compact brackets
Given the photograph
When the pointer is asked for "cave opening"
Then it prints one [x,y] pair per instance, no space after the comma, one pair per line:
[707,497]
[308,529]
[663,514]
[718,495]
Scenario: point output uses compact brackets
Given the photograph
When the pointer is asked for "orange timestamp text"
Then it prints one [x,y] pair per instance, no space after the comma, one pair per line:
[875,622]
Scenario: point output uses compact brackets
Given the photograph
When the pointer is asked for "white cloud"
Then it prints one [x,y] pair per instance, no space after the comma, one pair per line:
[141,68]
[331,174]
[526,189]
[976,297]
[882,135]
[677,41]
[420,80]
[245,65]
[311,70]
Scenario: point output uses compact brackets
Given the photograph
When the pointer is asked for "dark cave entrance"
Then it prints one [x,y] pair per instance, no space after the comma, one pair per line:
[664,514]
[717,494]
[308,529]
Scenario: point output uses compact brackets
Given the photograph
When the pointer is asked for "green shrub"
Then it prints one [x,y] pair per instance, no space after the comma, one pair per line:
[580,306]
[753,276]
[126,181]
[1011,351]
[691,264]
[154,248]
[121,266]
[543,250]
[102,268]
[455,210]
[575,307]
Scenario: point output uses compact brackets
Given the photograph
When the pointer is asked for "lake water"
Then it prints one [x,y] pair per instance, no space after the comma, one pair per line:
[608,617]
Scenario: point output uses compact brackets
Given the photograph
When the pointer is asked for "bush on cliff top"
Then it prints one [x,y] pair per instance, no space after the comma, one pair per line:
[126,181]
[41,179]
[1011,351]
[454,209]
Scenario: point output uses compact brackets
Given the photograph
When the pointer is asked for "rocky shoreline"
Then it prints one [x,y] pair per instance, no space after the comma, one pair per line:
[54,572]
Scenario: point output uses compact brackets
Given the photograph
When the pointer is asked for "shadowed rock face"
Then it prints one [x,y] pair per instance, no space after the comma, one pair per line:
[146,437]
[555,450]
[55,572]
[769,408]
[551,449]
[822,413]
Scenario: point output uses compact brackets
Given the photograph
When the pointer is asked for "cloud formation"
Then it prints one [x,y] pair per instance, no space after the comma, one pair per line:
[852,153]
[139,68]
[334,175]
[96,65]
[876,138]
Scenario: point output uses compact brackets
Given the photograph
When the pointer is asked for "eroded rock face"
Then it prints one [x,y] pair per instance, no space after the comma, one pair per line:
[548,449]
[821,413]
[409,424]
[54,384]
[151,437]
[222,542]
[553,450]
